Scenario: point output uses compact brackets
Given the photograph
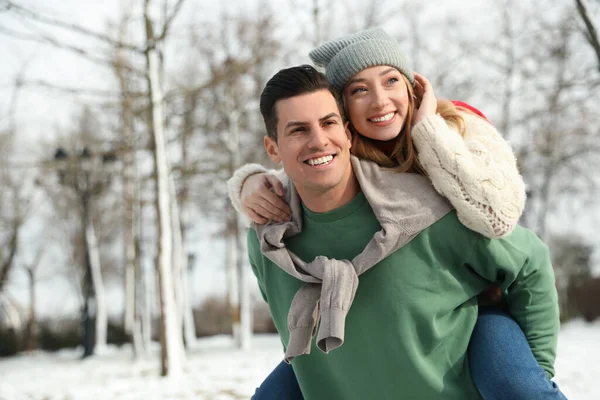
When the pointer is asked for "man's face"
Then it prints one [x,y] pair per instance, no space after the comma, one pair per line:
[313,143]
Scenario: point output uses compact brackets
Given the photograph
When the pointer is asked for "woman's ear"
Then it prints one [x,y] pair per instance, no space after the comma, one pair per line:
[272,149]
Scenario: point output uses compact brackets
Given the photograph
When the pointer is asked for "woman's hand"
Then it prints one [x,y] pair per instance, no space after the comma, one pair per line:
[261,199]
[492,296]
[426,101]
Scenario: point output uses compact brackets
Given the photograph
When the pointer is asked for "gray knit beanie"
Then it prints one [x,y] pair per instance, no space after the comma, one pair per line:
[344,57]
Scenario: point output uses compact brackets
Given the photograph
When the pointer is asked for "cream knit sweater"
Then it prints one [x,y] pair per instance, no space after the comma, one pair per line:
[477,173]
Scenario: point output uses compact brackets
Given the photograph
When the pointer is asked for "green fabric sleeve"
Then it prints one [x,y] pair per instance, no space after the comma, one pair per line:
[257,265]
[255,257]
[520,264]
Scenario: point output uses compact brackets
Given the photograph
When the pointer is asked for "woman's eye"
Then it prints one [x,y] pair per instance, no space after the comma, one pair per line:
[358,90]
[391,81]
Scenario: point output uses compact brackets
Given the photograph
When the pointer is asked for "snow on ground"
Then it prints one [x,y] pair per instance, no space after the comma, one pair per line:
[578,361]
[217,371]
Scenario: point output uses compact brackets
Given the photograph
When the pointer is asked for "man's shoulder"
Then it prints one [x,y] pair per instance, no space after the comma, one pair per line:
[525,238]
[450,225]
[520,237]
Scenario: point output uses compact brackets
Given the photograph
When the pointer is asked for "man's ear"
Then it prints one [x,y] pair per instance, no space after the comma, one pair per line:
[272,149]
[348,133]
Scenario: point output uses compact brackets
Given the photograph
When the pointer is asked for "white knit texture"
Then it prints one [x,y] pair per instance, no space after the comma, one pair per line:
[234,185]
[478,173]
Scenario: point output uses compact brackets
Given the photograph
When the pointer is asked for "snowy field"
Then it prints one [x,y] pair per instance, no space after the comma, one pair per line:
[217,371]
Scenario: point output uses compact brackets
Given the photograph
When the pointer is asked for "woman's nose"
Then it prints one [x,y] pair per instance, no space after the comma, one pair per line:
[379,99]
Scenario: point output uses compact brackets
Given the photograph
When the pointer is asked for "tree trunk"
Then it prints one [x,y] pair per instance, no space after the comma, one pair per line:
[130,190]
[8,263]
[31,328]
[144,301]
[88,310]
[245,302]
[171,338]
[179,262]
[241,310]
[142,284]
[189,323]
[130,199]
[232,281]
[129,245]
[95,268]
[137,338]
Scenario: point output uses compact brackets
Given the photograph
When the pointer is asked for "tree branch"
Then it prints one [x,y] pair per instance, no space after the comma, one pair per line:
[55,43]
[169,20]
[8,263]
[78,91]
[592,33]
[32,15]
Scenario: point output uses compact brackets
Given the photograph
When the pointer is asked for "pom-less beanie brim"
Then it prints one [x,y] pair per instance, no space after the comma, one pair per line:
[345,57]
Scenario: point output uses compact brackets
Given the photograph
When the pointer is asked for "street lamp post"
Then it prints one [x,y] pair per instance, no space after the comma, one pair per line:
[87,175]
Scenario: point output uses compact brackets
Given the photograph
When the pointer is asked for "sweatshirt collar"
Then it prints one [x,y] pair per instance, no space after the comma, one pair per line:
[339,213]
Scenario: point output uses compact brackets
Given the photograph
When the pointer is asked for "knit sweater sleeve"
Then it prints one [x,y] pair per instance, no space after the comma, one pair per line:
[478,173]
[235,183]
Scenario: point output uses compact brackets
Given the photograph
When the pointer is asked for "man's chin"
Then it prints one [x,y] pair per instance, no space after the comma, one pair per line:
[321,186]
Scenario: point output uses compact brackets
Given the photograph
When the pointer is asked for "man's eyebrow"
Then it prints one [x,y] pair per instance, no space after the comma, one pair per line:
[382,73]
[302,123]
[295,123]
[329,116]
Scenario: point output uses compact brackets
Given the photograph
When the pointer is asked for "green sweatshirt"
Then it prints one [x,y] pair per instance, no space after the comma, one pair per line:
[407,332]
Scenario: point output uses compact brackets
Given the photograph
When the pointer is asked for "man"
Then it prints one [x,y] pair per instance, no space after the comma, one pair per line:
[404,331]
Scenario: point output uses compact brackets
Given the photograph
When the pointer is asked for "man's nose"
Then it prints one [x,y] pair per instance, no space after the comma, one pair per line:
[318,138]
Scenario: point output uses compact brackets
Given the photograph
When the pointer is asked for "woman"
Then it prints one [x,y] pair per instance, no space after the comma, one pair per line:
[392,116]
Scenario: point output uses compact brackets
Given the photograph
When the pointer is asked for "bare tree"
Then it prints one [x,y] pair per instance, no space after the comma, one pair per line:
[558,155]
[131,188]
[184,199]
[172,349]
[154,37]
[14,205]
[12,215]
[12,219]
[231,133]
[85,171]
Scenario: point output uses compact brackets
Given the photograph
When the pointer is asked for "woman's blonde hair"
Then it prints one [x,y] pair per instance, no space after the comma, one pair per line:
[403,153]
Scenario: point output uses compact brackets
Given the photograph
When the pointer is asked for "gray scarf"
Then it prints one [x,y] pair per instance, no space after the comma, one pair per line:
[403,203]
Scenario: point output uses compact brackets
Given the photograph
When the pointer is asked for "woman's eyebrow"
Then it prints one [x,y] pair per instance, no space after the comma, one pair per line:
[387,71]
[382,73]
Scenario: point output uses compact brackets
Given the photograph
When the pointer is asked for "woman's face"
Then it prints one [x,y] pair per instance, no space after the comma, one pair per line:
[376,99]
